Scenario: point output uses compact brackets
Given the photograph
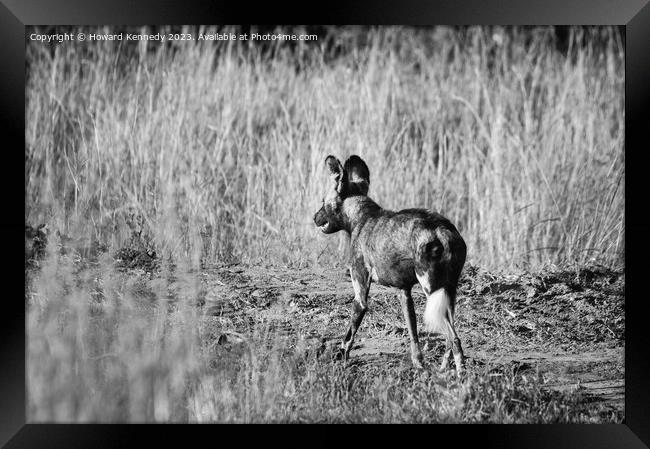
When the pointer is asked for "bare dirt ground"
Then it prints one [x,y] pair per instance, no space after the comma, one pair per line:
[567,326]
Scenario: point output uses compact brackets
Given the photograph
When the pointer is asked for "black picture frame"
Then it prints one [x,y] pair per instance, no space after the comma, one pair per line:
[633,14]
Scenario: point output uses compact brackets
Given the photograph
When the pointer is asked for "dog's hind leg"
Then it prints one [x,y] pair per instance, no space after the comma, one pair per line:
[361,285]
[459,357]
[445,358]
[439,318]
[408,310]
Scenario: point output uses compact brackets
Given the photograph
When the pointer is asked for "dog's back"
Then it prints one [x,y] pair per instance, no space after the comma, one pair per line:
[396,246]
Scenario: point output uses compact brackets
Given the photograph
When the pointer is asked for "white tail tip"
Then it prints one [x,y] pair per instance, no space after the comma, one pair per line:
[436,310]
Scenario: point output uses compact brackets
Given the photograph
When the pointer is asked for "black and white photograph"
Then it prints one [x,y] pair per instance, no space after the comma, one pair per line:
[325,224]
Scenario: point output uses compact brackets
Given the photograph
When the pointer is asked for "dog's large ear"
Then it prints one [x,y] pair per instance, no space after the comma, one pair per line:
[358,174]
[336,171]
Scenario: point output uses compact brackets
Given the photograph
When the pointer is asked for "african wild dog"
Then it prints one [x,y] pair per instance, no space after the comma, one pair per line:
[396,249]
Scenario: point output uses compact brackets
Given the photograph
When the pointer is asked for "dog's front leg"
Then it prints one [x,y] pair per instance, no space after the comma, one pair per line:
[361,285]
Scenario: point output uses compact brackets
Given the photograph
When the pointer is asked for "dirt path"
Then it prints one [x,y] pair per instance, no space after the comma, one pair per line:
[566,327]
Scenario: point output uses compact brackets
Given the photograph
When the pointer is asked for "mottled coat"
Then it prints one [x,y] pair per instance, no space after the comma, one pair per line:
[396,249]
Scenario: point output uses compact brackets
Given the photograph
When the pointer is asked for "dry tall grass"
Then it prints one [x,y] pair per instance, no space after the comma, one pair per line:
[219,148]
[520,145]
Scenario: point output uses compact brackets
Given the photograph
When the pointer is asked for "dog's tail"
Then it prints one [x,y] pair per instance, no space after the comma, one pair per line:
[441,258]
[439,311]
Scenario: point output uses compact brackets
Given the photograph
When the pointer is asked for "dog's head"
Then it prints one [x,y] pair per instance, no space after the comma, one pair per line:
[347,180]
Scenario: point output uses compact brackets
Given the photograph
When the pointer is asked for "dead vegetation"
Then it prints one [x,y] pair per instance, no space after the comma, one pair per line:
[569,309]
[218,147]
